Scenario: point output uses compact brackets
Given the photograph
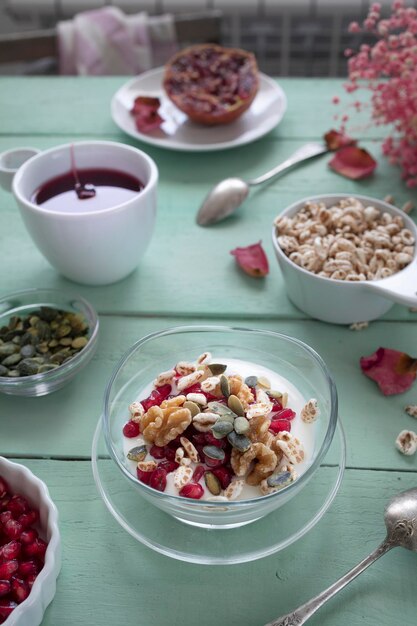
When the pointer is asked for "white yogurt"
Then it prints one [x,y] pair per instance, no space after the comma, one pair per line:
[304,432]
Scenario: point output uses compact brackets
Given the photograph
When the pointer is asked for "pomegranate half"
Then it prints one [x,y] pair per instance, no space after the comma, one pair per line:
[212,84]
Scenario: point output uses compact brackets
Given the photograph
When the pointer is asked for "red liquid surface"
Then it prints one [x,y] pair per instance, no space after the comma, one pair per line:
[112,187]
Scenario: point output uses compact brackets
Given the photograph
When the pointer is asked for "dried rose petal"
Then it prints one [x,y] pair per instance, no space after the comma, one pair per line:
[335,140]
[252,259]
[393,371]
[353,162]
[145,112]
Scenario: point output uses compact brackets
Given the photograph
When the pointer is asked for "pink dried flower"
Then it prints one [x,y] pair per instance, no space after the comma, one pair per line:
[252,260]
[388,69]
[393,371]
[353,162]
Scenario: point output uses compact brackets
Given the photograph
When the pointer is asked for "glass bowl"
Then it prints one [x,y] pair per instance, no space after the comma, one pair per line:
[157,352]
[23,302]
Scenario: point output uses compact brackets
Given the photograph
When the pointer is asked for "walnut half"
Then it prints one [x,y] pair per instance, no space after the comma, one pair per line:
[160,426]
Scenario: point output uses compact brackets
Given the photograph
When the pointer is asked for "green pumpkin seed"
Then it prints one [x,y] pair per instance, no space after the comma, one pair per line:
[13,374]
[11,360]
[212,483]
[279,480]
[63,331]
[240,442]
[219,408]
[235,405]
[214,453]
[192,407]
[33,320]
[79,343]
[251,381]
[28,367]
[222,428]
[3,370]
[241,425]
[27,351]
[8,348]
[138,453]
[275,394]
[17,340]
[217,368]
[47,367]
[264,382]
[47,313]
[225,386]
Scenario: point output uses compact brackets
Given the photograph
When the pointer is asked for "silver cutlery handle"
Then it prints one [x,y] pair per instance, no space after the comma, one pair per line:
[304,612]
[308,151]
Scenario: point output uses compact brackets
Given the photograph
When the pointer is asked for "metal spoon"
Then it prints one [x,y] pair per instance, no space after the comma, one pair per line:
[229,194]
[400,518]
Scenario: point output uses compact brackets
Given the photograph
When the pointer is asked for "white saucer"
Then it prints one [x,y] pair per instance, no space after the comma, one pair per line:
[179,133]
[167,535]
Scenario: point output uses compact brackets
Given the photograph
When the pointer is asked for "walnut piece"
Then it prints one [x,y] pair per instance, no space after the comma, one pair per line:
[160,426]
[265,461]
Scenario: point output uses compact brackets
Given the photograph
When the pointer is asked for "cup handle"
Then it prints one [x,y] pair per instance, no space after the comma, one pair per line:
[400,287]
[10,161]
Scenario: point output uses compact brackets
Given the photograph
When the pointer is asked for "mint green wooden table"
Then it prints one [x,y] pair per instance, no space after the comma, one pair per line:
[189,276]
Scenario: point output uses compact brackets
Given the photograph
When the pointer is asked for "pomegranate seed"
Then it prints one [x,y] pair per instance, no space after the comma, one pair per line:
[12,529]
[28,536]
[6,608]
[4,487]
[284,414]
[36,548]
[4,501]
[31,579]
[20,590]
[199,472]
[200,439]
[224,476]
[18,505]
[193,389]
[169,453]
[168,466]
[8,568]
[157,452]
[158,479]
[277,426]
[192,490]
[156,397]
[5,587]
[131,429]
[28,518]
[219,443]
[27,568]
[11,550]
[5,516]
[144,477]
[276,404]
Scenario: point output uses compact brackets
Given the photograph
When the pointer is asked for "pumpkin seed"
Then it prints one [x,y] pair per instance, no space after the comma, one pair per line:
[215,453]
[275,394]
[27,351]
[251,381]
[219,408]
[3,370]
[63,331]
[66,341]
[8,348]
[138,453]
[33,320]
[192,407]
[217,368]
[264,382]
[13,359]
[47,367]
[224,385]
[28,367]
[222,428]
[241,425]
[212,483]
[17,339]
[279,480]
[235,405]
[79,343]
[240,442]
[47,313]
[13,374]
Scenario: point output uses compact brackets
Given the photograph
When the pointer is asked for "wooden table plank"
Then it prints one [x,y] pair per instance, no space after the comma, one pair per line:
[108,578]
[204,279]
[62,424]
[310,110]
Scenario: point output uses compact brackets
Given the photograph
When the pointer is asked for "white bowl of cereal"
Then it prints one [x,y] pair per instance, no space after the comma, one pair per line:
[346,259]
[219,426]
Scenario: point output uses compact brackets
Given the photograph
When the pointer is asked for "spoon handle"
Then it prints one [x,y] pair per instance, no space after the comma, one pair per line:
[305,611]
[308,151]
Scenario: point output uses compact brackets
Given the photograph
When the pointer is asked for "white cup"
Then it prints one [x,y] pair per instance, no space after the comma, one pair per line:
[93,248]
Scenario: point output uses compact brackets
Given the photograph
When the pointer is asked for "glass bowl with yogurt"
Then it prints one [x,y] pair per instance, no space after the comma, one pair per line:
[219,426]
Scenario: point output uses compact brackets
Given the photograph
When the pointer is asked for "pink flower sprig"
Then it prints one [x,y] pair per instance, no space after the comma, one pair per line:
[388,68]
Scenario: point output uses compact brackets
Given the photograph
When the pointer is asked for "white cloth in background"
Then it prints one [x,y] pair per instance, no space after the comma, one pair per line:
[108,42]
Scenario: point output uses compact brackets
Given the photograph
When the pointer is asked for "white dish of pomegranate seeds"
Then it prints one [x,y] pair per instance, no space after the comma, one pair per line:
[30,546]
[179,133]
[265,456]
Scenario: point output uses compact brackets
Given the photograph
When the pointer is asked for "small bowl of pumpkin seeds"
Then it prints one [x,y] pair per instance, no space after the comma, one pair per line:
[46,337]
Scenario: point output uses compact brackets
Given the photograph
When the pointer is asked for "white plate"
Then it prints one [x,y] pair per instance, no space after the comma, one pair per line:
[180,133]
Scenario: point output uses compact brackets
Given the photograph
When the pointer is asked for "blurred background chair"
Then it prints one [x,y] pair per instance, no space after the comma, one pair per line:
[289,37]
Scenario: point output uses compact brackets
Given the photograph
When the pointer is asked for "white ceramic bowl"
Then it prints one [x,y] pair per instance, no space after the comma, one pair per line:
[343,302]
[22,481]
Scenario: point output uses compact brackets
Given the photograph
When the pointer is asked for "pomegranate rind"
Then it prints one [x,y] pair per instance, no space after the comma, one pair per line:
[193,91]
